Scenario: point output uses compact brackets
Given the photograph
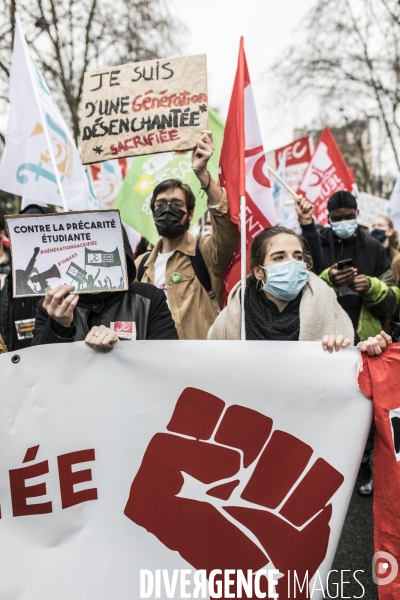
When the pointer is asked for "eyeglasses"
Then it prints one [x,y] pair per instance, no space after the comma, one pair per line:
[179,204]
[337,218]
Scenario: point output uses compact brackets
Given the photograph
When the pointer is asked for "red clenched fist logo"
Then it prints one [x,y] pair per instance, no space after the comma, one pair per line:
[234,493]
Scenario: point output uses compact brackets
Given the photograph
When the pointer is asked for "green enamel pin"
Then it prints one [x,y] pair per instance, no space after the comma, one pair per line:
[176,278]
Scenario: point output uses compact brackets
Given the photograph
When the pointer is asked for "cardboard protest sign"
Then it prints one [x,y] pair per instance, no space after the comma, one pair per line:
[111,476]
[369,208]
[83,249]
[144,108]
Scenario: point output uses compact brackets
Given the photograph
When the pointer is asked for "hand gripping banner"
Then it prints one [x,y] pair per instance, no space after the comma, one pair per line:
[176,470]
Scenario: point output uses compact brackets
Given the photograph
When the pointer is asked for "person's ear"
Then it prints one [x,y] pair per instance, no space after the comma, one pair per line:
[259,273]
[191,214]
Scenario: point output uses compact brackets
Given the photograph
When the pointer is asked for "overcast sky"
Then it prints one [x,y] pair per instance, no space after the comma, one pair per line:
[214,27]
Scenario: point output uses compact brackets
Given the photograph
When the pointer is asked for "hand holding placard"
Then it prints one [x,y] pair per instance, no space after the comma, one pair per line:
[60,304]
[84,250]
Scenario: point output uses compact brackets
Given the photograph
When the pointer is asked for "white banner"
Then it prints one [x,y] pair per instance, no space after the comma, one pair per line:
[161,460]
[369,208]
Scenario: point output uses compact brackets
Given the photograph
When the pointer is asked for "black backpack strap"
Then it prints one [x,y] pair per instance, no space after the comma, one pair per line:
[202,274]
[140,272]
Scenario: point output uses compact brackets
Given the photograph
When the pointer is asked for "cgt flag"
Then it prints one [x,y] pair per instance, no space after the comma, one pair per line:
[98,258]
[326,174]
[26,168]
[243,168]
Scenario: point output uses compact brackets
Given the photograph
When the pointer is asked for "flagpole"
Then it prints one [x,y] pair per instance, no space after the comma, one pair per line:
[243,255]
[42,118]
[242,188]
[283,183]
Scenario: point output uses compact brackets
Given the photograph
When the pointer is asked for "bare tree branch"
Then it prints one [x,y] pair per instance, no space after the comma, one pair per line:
[69,37]
[349,60]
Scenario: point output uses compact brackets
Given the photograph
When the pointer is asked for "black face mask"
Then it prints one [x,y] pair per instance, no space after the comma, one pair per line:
[379,234]
[168,221]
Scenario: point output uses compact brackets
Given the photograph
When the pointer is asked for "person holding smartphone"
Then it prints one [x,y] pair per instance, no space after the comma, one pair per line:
[356,266]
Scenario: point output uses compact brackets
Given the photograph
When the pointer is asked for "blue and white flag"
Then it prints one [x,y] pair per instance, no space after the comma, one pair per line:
[40,155]
[278,191]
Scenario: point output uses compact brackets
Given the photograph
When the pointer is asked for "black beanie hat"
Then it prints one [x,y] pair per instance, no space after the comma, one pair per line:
[34,209]
[341,199]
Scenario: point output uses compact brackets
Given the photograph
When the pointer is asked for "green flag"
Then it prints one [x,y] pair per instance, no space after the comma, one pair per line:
[98,258]
[133,200]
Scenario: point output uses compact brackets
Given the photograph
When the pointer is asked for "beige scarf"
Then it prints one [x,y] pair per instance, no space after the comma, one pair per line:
[320,314]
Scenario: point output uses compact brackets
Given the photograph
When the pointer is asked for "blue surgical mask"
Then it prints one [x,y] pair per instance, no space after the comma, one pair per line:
[286,280]
[345,229]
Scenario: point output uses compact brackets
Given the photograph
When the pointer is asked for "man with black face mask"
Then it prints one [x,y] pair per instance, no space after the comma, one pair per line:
[189,271]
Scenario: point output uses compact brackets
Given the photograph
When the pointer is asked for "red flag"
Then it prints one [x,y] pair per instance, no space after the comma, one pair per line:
[327,173]
[298,155]
[379,380]
[243,169]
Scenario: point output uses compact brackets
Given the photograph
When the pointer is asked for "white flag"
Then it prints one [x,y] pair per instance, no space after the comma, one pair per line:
[110,181]
[105,179]
[27,168]
[278,191]
[393,209]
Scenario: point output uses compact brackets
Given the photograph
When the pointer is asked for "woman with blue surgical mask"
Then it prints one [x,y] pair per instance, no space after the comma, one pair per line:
[285,301]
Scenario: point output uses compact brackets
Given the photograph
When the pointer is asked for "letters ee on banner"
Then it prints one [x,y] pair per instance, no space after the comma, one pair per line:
[82,249]
[144,108]
[142,478]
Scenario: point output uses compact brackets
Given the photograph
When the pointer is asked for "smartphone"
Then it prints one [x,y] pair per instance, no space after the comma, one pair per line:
[345,264]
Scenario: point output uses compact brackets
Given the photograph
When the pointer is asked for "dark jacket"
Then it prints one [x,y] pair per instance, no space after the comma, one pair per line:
[310,234]
[143,304]
[17,317]
[367,311]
